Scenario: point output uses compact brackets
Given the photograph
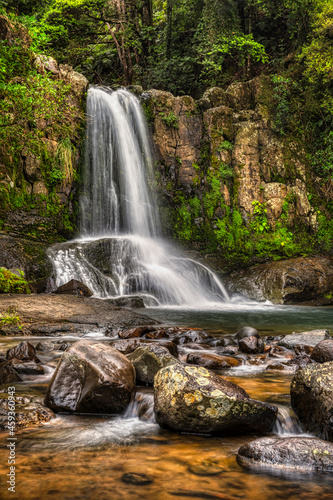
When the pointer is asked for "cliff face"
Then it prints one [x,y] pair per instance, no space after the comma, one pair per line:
[227,177]
[42,111]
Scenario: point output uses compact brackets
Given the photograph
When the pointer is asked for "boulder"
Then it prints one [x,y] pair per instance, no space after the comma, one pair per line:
[74,287]
[26,367]
[196,400]
[131,333]
[126,346]
[292,453]
[212,361]
[311,338]
[312,398]
[91,377]
[23,351]
[246,331]
[251,345]
[148,360]
[323,351]
[285,282]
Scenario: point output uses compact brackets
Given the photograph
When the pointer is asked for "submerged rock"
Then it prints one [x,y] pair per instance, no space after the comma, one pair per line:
[312,398]
[193,399]
[148,360]
[91,377]
[311,338]
[323,351]
[247,331]
[293,453]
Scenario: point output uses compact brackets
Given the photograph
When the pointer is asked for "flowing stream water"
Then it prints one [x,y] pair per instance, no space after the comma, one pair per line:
[119,253]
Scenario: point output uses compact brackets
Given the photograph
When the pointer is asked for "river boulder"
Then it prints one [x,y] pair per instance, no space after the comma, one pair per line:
[312,398]
[212,361]
[91,377]
[311,338]
[292,453]
[148,360]
[196,400]
[323,351]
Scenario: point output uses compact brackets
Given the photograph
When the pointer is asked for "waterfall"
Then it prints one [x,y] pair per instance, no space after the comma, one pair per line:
[120,252]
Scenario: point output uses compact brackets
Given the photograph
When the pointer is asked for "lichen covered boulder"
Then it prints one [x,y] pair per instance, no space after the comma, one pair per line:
[312,398]
[194,399]
[292,453]
[91,377]
[148,360]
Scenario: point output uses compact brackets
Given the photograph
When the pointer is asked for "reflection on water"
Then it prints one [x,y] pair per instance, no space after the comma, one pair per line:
[269,319]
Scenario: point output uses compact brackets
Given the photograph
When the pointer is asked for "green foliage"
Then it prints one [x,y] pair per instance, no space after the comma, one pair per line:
[282,88]
[10,318]
[12,283]
[170,119]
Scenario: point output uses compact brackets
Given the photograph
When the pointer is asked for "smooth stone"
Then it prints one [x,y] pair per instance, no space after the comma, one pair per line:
[247,331]
[91,377]
[196,400]
[212,361]
[45,346]
[251,344]
[148,360]
[312,398]
[206,468]
[26,367]
[126,346]
[323,351]
[311,338]
[292,453]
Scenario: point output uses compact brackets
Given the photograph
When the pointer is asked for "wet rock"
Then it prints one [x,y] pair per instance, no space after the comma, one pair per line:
[148,360]
[26,367]
[91,377]
[74,287]
[136,478]
[193,399]
[24,351]
[8,374]
[246,331]
[299,361]
[45,346]
[312,398]
[191,336]
[276,366]
[229,350]
[224,342]
[157,334]
[212,361]
[135,302]
[323,351]
[311,338]
[293,453]
[131,333]
[195,347]
[51,329]
[285,282]
[251,345]
[28,413]
[304,349]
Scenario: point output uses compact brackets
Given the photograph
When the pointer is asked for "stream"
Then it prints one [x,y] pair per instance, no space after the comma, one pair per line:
[97,456]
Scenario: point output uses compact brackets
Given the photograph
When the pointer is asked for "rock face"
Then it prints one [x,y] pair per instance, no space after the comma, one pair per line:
[285,282]
[148,360]
[91,377]
[294,453]
[311,338]
[312,398]
[193,399]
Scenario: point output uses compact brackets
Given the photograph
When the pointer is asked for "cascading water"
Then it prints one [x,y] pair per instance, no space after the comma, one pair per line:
[119,252]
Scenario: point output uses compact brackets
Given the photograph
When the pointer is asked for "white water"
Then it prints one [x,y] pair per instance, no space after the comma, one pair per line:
[119,253]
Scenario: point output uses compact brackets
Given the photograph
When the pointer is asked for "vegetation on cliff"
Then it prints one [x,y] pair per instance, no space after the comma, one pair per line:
[185,47]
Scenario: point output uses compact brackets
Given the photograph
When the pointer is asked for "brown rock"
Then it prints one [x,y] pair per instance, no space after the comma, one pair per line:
[23,351]
[131,333]
[323,352]
[74,287]
[212,361]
